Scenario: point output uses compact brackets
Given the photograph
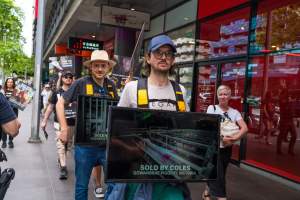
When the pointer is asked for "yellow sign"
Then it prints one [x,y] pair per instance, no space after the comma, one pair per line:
[89,89]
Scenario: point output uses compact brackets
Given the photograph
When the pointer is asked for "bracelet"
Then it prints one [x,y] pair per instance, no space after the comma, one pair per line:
[63,129]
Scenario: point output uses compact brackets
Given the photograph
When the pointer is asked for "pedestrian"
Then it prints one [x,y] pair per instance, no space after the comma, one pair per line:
[46,93]
[217,188]
[66,81]
[155,92]
[286,122]
[9,91]
[95,84]
[8,119]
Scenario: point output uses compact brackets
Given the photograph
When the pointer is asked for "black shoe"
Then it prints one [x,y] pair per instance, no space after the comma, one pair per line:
[10,144]
[4,145]
[63,173]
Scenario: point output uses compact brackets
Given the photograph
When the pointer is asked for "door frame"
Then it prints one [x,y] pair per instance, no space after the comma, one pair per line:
[218,64]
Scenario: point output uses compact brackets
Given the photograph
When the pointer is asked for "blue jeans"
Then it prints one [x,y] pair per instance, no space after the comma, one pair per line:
[85,159]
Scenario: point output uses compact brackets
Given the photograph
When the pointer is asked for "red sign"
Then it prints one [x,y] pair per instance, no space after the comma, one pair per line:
[208,7]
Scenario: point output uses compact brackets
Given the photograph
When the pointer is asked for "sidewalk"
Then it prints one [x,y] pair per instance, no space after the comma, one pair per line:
[37,174]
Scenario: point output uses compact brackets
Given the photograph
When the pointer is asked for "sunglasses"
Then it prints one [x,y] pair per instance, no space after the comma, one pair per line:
[159,54]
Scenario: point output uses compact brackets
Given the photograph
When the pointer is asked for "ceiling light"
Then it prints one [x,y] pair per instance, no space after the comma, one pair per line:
[132,9]
[242,28]
[273,46]
[93,36]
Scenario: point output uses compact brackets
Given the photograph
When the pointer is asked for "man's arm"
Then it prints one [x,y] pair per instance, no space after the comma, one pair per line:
[8,119]
[47,114]
[12,127]
[60,112]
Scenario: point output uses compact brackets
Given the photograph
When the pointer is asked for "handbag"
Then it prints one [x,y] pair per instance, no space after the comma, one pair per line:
[228,127]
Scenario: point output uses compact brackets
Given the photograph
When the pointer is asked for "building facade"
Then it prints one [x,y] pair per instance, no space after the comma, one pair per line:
[253,46]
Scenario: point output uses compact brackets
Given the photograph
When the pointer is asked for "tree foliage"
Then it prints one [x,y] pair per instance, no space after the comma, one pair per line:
[12,57]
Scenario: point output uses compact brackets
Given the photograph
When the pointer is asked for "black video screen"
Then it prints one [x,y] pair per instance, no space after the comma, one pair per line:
[92,117]
[151,145]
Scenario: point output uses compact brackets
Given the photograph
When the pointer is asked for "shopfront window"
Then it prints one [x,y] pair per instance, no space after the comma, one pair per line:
[233,75]
[274,114]
[185,78]
[184,39]
[224,36]
[206,87]
[276,26]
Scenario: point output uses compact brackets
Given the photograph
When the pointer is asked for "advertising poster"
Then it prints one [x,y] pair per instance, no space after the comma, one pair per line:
[23,97]
[152,145]
[91,126]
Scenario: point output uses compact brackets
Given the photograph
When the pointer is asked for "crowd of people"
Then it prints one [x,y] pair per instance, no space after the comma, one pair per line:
[161,93]
[154,91]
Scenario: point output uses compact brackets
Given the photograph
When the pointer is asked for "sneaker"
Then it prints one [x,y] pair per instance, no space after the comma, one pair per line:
[98,192]
[4,145]
[63,173]
[10,144]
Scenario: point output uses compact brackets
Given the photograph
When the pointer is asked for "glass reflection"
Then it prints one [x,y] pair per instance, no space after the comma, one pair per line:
[275,29]
[224,36]
[206,87]
[274,113]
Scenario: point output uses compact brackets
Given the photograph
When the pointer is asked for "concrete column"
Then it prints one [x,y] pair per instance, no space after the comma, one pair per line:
[35,123]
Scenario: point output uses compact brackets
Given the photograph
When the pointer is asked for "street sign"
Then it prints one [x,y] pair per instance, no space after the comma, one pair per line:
[84,44]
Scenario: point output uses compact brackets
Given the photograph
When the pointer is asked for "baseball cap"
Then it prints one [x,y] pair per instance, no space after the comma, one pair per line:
[159,41]
[64,73]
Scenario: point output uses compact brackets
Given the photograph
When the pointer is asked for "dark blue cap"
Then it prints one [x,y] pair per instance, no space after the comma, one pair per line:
[159,41]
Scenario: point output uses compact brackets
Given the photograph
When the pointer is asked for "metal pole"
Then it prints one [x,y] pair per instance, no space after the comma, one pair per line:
[35,123]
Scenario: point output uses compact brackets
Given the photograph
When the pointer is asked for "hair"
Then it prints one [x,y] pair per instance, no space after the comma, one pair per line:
[5,84]
[223,87]
[147,66]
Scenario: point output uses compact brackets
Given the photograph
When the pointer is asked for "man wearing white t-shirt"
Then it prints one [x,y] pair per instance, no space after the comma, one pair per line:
[156,92]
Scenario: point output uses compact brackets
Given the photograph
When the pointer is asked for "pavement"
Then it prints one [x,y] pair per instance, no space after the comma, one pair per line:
[37,173]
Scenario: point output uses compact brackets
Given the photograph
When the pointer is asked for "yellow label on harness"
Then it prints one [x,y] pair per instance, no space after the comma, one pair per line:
[143,99]
[112,94]
[181,106]
[89,89]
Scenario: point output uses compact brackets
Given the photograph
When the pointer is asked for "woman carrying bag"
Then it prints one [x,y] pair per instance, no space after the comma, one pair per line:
[233,128]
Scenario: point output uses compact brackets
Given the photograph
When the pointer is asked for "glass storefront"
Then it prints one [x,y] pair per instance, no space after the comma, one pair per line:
[276,26]
[224,36]
[274,114]
[184,40]
[265,81]
[185,78]
[273,97]
[206,87]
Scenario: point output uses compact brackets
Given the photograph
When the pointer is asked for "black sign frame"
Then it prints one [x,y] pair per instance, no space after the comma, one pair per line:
[116,155]
[86,125]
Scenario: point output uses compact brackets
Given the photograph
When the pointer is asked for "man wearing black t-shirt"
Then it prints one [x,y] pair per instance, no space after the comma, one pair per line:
[96,84]
[67,80]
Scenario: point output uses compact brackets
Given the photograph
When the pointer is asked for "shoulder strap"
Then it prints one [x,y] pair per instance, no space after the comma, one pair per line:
[142,93]
[111,89]
[179,97]
[214,108]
